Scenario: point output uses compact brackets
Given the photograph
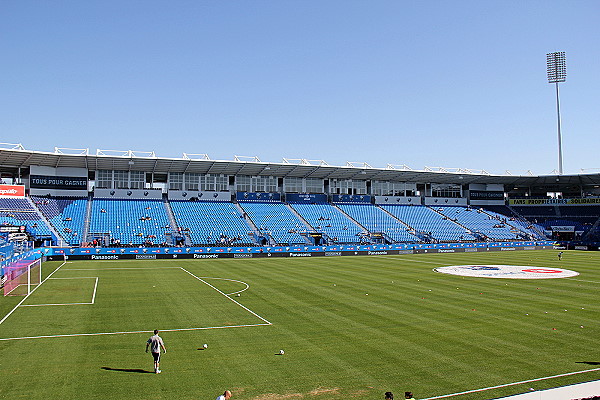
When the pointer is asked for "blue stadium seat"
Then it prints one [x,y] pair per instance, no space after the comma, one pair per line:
[276,219]
[130,221]
[19,212]
[66,214]
[429,223]
[375,219]
[328,219]
[210,223]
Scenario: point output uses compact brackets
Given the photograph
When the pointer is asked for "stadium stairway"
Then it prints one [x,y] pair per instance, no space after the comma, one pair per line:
[309,228]
[350,218]
[522,219]
[59,238]
[593,232]
[170,215]
[252,225]
[515,226]
[88,218]
[398,219]
[473,233]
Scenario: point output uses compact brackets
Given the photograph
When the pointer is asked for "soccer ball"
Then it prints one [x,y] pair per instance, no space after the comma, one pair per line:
[238,295]
[205,346]
[281,352]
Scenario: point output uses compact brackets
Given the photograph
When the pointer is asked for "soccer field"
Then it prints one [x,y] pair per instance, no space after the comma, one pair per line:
[351,327]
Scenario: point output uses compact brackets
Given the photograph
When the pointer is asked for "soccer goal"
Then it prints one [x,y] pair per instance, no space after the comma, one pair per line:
[22,277]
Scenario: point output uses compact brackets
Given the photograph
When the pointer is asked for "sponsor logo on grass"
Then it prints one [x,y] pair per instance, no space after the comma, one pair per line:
[507,271]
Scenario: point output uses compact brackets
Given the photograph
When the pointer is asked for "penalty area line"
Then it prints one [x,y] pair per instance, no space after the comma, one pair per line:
[131,332]
[512,384]
[30,293]
[241,305]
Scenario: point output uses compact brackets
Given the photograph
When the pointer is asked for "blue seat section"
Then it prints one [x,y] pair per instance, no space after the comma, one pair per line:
[376,220]
[66,214]
[209,222]
[535,211]
[8,204]
[583,214]
[328,219]
[426,221]
[489,224]
[130,221]
[277,219]
[19,212]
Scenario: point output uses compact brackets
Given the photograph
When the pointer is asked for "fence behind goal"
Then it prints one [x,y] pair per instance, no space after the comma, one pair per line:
[22,277]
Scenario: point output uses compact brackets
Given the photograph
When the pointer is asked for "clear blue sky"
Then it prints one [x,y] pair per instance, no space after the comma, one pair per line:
[422,83]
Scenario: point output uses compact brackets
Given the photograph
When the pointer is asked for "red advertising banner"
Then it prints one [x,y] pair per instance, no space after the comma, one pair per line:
[12,191]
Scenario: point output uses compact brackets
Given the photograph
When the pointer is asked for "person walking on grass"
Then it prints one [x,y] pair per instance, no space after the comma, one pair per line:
[156,343]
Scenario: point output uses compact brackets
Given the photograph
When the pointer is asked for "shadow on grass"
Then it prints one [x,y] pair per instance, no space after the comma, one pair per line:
[588,362]
[139,371]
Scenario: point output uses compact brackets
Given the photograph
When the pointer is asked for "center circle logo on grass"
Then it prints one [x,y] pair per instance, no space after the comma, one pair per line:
[507,271]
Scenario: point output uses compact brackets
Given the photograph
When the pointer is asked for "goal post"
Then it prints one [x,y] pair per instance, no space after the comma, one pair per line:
[22,277]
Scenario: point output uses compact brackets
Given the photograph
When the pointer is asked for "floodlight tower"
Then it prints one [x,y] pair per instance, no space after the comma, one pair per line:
[557,72]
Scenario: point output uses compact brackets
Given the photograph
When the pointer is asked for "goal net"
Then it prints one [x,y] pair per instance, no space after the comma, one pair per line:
[22,277]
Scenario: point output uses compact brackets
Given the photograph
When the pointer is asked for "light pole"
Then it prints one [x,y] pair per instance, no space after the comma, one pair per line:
[557,72]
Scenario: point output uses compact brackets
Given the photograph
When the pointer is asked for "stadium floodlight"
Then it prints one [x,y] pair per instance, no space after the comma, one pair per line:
[557,72]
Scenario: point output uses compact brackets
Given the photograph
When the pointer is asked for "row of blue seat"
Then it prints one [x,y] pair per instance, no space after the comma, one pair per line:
[140,221]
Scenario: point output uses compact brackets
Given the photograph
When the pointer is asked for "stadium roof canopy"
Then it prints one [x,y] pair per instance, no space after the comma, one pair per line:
[15,156]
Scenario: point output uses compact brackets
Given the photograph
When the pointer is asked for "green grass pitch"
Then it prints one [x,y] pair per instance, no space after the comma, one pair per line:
[351,328]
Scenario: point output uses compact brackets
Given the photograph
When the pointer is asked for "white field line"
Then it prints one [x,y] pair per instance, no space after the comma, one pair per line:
[512,384]
[53,304]
[267,323]
[231,280]
[229,298]
[68,304]
[30,293]
[95,289]
[582,280]
[126,333]
[16,287]
[118,268]
[78,277]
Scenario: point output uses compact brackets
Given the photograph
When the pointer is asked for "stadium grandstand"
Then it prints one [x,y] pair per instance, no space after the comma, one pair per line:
[76,198]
